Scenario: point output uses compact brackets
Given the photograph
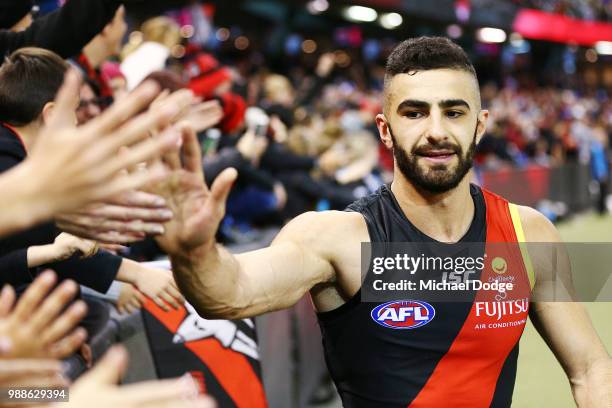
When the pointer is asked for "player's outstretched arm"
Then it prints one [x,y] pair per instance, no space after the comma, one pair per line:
[565,325]
[217,283]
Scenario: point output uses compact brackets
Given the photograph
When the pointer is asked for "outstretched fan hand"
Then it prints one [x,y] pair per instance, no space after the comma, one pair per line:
[197,209]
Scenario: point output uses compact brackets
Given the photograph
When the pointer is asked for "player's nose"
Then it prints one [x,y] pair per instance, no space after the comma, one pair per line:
[436,131]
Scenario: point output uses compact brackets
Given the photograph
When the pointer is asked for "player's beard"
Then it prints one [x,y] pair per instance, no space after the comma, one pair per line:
[437,178]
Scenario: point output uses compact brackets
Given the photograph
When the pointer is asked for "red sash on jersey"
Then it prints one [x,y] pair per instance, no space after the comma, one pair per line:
[467,374]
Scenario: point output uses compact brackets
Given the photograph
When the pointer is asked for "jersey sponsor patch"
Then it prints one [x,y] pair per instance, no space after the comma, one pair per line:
[403,314]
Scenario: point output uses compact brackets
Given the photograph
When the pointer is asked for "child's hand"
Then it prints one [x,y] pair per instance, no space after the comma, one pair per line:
[66,245]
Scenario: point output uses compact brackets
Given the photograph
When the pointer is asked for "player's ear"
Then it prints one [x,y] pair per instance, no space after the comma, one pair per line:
[384,130]
[481,127]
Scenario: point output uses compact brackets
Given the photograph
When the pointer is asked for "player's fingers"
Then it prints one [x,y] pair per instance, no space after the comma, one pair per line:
[172,158]
[223,184]
[191,152]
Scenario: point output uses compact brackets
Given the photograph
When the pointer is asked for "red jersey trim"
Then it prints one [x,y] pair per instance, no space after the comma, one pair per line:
[467,375]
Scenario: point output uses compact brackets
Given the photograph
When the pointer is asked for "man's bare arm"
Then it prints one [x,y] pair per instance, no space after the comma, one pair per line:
[565,326]
[219,284]
[222,285]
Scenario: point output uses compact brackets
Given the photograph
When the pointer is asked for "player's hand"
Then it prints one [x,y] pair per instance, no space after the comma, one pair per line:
[70,167]
[97,388]
[123,219]
[39,325]
[197,209]
[159,285]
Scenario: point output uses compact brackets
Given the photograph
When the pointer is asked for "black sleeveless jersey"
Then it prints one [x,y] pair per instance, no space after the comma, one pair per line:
[466,353]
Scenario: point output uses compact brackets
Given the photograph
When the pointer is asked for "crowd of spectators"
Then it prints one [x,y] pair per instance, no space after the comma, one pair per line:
[546,126]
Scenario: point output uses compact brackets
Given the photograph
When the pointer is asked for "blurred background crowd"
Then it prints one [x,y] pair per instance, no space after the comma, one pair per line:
[291,89]
[299,84]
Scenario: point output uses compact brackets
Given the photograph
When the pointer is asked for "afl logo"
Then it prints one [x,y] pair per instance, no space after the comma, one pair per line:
[403,314]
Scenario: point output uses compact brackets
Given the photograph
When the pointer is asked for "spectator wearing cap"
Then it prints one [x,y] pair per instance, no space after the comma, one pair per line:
[207,77]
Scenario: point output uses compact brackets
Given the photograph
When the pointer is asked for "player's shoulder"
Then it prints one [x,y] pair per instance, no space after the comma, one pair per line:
[326,228]
[328,222]
[536,226]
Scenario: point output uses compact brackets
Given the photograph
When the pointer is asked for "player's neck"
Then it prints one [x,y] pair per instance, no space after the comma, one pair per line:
[445,217]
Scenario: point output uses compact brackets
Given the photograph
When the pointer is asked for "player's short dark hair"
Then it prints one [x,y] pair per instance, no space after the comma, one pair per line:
[426,53]
[29,79]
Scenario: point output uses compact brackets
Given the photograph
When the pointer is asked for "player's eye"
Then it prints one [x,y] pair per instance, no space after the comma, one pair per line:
[454,114]
[414,114]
